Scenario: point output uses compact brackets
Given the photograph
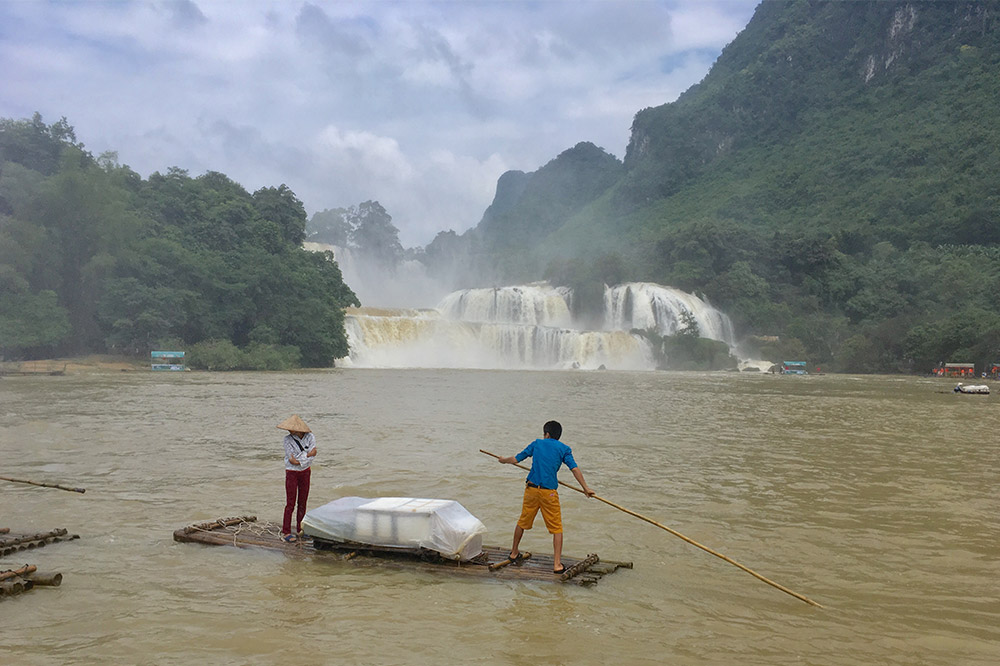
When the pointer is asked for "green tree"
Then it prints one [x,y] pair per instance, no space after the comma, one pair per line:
[280,206]
[35,145]
[373,233]
[28,320]
[329,226]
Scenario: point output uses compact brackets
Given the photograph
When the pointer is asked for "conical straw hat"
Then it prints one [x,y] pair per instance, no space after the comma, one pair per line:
[294,424]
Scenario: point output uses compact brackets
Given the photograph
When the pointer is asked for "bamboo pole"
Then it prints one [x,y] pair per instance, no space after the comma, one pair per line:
[14,573]
[681,536]
[502,563]
[44,485]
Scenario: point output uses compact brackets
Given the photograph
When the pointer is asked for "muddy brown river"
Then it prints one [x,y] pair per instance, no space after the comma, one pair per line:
[875,496]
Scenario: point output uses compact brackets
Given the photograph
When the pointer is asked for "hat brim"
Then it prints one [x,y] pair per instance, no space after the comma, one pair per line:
[294,424]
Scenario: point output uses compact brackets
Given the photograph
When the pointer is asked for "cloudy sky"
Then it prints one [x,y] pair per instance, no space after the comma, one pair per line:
[420,105]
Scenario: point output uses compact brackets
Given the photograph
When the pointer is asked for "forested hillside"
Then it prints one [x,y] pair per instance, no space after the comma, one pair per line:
[95,259]
[832,181]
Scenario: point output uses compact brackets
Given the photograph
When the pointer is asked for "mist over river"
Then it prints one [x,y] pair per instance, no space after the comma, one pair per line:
[875,496]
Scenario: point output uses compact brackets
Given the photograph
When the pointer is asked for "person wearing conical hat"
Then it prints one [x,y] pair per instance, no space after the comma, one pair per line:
[300,449]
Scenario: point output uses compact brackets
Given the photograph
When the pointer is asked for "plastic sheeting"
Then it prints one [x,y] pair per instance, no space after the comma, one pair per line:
[444,526]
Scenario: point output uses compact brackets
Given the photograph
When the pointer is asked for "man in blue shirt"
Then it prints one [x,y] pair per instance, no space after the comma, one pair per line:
[541,490]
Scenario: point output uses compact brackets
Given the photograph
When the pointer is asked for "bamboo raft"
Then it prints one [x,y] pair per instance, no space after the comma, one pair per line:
[491,564]
[27,577]
[12,543]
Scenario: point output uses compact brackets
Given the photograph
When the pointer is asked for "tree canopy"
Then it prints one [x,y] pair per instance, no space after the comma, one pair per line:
[95,258]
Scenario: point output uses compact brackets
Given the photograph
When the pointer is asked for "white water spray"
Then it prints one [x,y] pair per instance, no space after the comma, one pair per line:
[405,284]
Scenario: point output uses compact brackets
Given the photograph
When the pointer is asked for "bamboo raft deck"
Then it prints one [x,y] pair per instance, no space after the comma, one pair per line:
[11,543]
[491,564]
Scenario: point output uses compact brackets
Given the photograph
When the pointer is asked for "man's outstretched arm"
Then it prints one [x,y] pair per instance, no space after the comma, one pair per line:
[579,477]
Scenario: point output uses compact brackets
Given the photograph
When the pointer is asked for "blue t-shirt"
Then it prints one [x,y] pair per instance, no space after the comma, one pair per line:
[547,455]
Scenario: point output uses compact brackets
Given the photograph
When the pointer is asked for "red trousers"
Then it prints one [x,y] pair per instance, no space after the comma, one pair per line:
[296,483]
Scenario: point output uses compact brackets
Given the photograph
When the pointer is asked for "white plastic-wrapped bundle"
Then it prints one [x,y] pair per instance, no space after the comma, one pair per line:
[444,526]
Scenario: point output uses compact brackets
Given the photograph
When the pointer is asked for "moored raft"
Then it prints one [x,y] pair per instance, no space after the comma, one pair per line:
[490,564]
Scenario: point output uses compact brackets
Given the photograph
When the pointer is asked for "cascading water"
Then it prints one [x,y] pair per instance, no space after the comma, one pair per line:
[536,305]
[528,326]
[646,306]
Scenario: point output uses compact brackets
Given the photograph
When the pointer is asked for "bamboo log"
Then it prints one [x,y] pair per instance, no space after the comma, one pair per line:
[221,522]
[503,563]
[580,567]
[681,536]
[14,573]
[47,578]
[44,485]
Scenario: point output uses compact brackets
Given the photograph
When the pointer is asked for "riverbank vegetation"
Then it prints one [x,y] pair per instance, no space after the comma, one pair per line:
[687,350]
[94,258]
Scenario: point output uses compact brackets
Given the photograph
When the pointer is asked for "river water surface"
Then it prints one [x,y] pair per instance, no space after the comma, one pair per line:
[875,496]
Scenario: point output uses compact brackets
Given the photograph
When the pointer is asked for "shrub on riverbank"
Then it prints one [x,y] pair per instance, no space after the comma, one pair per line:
[224,355]
[688,351]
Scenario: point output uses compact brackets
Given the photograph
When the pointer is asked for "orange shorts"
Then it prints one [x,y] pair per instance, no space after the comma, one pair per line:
[548,501]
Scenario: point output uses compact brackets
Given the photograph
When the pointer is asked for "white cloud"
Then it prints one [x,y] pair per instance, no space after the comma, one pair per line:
[378,157]
[421,105]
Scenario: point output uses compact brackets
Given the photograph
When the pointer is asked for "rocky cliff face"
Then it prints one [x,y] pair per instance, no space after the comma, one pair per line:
[826,96]
[793,58]
[528,206]
[900,29]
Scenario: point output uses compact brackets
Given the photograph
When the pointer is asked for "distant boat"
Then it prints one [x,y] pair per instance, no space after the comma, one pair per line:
[981,389]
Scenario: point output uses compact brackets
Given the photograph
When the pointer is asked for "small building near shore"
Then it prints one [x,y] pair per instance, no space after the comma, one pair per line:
[957,370]
[793,368]
[167,360]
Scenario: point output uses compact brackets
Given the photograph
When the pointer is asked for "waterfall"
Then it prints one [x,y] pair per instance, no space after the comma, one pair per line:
[534,304]
[525,327]
[426,339]
[645,306]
